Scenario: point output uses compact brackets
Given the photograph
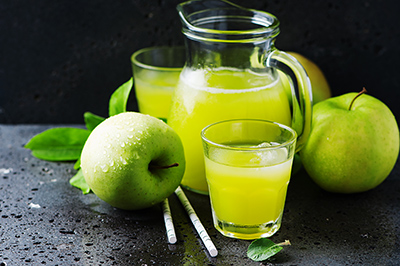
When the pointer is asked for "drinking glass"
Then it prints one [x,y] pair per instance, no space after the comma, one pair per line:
[248,165]
[156,72]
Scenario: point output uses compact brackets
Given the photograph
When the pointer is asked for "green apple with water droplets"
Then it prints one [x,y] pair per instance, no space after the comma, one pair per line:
[133,161]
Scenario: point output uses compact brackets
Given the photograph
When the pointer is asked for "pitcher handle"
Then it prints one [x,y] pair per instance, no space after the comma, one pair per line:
[300,87]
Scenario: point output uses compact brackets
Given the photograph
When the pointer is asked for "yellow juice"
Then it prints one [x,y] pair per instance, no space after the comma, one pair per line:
[154,90]
[248,200]
[204,97]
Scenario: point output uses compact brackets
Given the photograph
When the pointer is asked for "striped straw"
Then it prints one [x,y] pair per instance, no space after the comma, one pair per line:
[169,225]
[196,222]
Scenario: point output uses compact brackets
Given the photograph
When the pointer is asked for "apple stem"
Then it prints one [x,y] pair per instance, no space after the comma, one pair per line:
[358,95]
[163,166]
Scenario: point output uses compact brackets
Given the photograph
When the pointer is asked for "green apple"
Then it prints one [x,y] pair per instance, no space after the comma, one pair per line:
[320,87]
[133,161]
[353,144]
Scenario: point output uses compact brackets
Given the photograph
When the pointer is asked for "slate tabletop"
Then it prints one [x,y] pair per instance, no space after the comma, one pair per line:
[46,221]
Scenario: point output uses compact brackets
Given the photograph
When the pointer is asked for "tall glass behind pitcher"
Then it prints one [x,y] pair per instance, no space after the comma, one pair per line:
[231,72]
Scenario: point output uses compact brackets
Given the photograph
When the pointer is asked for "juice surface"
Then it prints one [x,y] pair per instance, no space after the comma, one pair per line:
[154,91]
[202,98]
[247,195]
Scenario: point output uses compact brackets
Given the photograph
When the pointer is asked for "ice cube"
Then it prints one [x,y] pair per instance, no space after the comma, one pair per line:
[263,145]
[270,157]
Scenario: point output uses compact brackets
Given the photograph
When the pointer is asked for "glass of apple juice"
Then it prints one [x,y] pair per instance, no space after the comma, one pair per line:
[156,72]
[248,165]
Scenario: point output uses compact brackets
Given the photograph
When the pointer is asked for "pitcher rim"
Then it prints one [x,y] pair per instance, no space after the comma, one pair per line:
[266,28]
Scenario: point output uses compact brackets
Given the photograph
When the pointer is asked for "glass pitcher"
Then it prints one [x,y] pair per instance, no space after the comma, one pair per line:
[231,72]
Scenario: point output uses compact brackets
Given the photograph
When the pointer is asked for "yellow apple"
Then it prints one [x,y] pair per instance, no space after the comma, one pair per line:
[319,84]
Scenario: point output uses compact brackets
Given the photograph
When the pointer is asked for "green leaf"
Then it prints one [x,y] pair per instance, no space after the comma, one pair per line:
[78,181]
[58,144]
[119,98]
[92,120]
[263,248]
[77,164]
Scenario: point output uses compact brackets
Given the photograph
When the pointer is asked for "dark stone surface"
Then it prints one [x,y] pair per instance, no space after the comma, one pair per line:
[43,220]
[62,58]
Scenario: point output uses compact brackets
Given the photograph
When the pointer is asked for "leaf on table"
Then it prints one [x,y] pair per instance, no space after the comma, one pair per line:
[119,98]
[92,120]
[263,248]
[58,144]
[78,181]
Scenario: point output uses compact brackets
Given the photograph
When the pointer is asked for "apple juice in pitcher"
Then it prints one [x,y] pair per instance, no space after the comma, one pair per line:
[231,72]
[203,98]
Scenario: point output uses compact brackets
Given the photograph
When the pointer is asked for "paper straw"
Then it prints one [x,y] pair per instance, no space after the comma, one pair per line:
[196,222]
[169,225]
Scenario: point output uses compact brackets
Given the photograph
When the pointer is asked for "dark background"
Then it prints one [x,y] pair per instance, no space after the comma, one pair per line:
[59,59]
